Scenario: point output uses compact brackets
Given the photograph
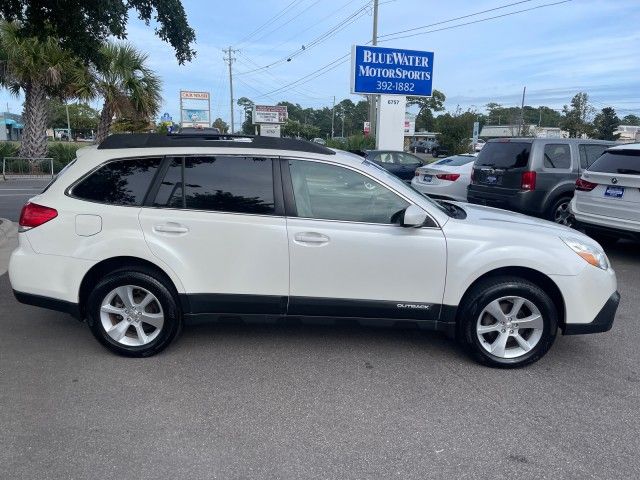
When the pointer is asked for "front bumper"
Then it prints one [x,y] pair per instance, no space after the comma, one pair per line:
[602,323]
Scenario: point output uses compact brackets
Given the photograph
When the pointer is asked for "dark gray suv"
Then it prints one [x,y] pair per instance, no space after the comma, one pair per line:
[535,176]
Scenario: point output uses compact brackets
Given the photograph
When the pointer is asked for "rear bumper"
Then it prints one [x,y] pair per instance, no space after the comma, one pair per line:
[606,224]
[49,303]
[602,323]
[530,202]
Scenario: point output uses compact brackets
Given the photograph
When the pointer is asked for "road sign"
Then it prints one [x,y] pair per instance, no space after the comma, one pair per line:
[391,71]
[367,128]
[476,130]
[189,95]
[271,114]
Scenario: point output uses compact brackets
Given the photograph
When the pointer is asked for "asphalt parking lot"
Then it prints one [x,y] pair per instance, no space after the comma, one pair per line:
[248,401]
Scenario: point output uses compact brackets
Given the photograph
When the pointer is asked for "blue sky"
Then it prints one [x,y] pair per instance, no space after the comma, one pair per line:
[556,51]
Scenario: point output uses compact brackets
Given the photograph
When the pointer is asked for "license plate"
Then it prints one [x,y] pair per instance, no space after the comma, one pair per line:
[614,192]
[427,178]
[492,179]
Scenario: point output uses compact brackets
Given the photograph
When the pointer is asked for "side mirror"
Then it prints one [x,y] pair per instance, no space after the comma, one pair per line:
[413,217]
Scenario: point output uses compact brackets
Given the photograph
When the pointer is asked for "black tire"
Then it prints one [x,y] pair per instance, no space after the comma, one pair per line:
[495,288]
[152,282]
[560,212]
[602,238]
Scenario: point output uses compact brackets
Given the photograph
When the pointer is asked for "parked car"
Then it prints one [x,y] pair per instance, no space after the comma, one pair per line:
[447,178]
[148,230]
[477,146]
[403,165]
[535,176]
[320,141]
[421,146]
[198,130]
[607,199]
[439,151]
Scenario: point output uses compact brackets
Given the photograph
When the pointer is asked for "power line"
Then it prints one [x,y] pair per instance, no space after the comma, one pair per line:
[454,19]
[271,20]
[316,41]
[288,21]
[473,22]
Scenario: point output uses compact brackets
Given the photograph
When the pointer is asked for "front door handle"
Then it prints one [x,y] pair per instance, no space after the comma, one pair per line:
[311,238]
[171,227]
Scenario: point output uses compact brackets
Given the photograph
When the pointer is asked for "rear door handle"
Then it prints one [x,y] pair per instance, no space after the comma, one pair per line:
[171,227]
[311,238]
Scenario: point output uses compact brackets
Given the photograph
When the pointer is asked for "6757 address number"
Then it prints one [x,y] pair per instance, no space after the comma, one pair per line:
[395,86]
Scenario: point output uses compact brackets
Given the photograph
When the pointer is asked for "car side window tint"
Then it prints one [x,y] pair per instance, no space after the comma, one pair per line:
[383,157]
[121,182]
[219,183]
[590,153]
[330,192]
[405,159]
[557,155]
[171,190]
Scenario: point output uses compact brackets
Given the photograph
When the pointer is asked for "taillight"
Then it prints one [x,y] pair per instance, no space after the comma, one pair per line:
[452,177]
[585,186]
[473,175]
[417,173]
[34,215]
[528,181]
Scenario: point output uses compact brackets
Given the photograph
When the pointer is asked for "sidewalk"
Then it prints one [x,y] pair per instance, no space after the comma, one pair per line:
[8,241]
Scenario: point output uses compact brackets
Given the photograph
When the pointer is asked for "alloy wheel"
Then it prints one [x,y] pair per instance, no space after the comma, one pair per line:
[509,327]
[563,214]
[131,315]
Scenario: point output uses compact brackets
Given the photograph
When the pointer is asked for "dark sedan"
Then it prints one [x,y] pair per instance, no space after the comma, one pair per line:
[401,164]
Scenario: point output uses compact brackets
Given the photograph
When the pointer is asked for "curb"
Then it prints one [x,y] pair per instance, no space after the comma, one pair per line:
[6,226]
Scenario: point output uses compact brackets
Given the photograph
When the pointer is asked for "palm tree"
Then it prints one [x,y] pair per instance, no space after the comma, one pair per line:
[125,83]
[39,68]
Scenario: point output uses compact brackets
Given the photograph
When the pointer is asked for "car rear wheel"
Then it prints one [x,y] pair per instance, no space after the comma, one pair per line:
[561,212]
[133,313]
[507,322]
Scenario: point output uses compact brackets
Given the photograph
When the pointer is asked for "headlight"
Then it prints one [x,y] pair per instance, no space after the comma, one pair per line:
[592,255]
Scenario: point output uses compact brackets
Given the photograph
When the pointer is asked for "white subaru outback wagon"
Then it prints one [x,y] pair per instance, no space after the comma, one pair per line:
[146,231]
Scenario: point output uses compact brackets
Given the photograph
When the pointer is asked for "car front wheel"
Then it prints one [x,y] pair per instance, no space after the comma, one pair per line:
[507,322]
[133,313]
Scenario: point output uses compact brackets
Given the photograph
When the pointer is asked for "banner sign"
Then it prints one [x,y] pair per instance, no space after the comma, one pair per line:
[270,130]
[190,115]
[391,71]
[270,114]
[187,95]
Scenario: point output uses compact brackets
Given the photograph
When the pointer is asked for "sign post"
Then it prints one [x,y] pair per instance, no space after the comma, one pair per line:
[392,73]
[269,118]
[476,131]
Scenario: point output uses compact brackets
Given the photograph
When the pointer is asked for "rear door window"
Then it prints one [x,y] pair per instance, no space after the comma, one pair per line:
[406,159]
[557,156]
[504,155]
[121,182]
[382,157]
[590,153]
[622,162]
[219,184]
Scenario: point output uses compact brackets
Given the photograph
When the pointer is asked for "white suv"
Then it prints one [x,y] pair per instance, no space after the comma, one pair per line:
[146,231]
[607,199]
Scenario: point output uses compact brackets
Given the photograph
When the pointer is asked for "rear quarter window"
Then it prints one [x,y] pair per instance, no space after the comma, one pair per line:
[121,182]
[621,162]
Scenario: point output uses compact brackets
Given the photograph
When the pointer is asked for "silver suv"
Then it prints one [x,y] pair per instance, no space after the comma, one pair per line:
[535,176]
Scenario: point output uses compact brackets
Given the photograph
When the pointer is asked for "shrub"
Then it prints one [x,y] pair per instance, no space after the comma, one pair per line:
[8,149]
[354,142]
[62,153]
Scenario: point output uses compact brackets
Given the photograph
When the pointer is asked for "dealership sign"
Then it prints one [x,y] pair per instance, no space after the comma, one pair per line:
[188,95]
[270,114]
[391,71]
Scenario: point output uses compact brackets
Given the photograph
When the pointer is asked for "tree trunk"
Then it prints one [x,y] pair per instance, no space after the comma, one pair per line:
[106,117]
[34,136]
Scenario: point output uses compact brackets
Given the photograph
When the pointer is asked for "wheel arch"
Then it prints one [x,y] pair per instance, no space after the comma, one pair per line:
[112,264]
[538,278]
[565,189]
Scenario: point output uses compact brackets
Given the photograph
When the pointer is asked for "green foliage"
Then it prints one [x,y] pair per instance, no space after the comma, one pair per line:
[9,149]
[63,152]
[293,128]
[605,123]
[353,142]
[80,25]
[541,116]
[427,105]
[630,120]
[577,117]
[221,125]
[162,129]
[82,117]
[455,130]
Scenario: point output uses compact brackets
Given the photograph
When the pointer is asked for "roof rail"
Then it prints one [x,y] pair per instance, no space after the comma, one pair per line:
[223,140]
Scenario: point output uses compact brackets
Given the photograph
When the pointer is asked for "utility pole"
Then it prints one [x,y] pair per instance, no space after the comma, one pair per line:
[333,115]
[524,91]
[66,106]
[230,59]
[373,98]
